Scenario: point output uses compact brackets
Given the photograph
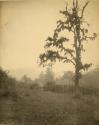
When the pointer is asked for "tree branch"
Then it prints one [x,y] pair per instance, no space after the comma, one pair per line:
[84,9]
[52,56]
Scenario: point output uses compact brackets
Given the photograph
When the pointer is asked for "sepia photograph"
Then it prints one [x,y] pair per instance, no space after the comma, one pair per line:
[49,62]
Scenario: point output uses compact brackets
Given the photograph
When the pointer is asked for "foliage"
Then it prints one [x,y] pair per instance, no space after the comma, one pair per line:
[3,76]
[7,84]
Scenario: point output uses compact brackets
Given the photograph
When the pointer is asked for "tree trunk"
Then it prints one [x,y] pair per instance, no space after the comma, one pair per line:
[78,58]
[76,77]
[76,83]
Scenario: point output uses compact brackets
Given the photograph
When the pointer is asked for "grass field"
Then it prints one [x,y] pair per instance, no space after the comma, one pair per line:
[38,107]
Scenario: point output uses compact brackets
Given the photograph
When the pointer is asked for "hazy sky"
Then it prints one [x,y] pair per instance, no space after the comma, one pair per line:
[26,25]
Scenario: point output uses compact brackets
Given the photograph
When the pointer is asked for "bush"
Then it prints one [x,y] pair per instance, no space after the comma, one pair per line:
[49,86]
[7,84]
[34,86]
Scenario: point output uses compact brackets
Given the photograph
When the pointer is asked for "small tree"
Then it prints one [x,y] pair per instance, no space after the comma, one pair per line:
[49,79]
[75,24]
[49,75]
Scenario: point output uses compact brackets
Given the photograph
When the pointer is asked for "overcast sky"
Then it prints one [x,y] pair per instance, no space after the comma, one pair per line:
[26,25]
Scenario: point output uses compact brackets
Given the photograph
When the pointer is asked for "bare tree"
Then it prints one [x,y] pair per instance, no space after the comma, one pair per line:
[75,24]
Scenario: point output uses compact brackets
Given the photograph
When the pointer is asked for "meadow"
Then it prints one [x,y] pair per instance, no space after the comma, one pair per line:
[22,104]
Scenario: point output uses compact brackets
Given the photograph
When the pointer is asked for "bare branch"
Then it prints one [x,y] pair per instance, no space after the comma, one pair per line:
[84,9]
